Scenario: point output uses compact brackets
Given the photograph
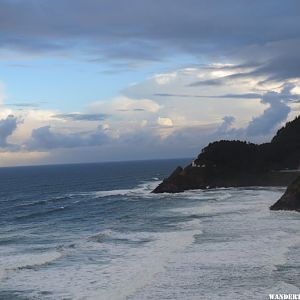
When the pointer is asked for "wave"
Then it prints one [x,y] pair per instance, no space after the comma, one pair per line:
[100,236]
[19,262]
[107,236]
[6,239]
[145,188]
[43,202]
[213,194]
[40,260]
[42,213]
[112,264]
[194,224]
[101,194]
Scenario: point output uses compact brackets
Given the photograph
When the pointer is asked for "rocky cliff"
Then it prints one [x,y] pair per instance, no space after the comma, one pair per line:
[290,199]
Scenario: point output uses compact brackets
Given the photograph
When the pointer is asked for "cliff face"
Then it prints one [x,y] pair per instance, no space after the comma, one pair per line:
[237,163]
[290,199]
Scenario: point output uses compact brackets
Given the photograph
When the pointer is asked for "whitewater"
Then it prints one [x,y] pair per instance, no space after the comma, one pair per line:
[97,232]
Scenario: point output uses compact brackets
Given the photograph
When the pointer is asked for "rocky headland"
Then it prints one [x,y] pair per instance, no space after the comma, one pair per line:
[290,199]
[240,164]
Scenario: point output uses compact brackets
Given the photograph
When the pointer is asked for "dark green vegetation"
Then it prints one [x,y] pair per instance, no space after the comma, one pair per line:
[237,163]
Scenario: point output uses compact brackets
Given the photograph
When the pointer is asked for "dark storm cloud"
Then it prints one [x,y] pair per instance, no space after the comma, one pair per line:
[82,117]
[281,68]
[150,30]
[277,68]
[223,80]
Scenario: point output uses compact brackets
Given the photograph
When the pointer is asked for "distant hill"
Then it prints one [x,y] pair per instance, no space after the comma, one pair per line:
[239,163]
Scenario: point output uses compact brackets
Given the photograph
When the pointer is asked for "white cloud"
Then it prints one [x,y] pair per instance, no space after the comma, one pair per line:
[121,105]
[155,117]
[165,122]
[203,104]
[144,123]
[276,113]
[165,78]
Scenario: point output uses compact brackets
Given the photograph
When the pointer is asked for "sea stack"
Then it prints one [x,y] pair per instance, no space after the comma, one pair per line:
[290,199]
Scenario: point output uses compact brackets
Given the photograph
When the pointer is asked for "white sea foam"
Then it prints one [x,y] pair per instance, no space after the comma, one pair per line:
[115,235]
[204,195]
[194,224]
[130,271]
[236,251]
[237,256]
[140,269]
[143,189]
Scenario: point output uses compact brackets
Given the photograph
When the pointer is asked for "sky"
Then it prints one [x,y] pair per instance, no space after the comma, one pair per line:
[94,80]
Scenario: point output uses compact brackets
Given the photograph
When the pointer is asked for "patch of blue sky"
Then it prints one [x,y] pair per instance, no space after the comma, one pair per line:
[68,84]
[59,83]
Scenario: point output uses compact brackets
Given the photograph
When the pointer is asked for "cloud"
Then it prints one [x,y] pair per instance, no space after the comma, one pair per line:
[259,129]
[125,104]
[45,139]
[157,132]
[7,128]
[262,127]
[209,82]
[135,30]
[26,104]
[81,117]
[225,125]
[97,20]
[280,68]
[167,122]
[165,78]
[193,106]
[274,115]
[161,133]
[225,96]
[163,116]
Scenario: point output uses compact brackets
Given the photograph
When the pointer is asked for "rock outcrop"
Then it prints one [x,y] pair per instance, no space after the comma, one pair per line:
[239,163]
[290,199]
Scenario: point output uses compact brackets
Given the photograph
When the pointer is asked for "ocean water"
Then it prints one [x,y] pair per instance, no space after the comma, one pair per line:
[95,231]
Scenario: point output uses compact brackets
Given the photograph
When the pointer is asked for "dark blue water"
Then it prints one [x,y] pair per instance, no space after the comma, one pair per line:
[94,231]
[43,194]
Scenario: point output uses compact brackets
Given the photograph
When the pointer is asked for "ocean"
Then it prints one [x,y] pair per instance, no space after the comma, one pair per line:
[94,231]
